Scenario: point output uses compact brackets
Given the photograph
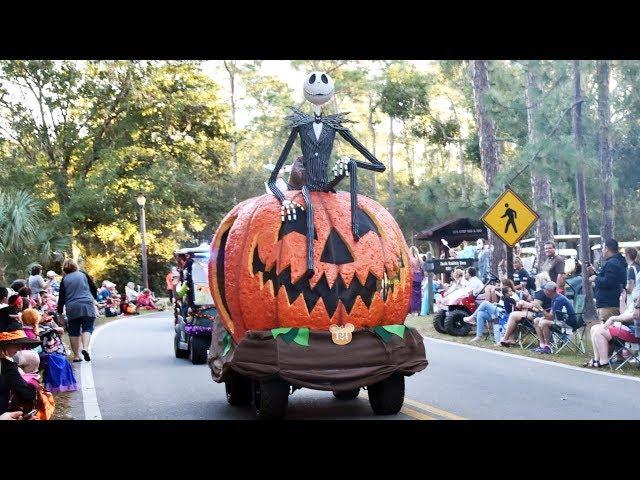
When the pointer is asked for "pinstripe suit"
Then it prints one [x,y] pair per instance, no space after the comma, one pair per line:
[316,153]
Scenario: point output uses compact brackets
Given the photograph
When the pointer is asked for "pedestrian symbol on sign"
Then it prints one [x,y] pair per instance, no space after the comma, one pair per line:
[511,215]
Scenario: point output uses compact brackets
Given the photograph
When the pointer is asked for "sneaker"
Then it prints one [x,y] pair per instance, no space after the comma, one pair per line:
[537,350]
[546,350]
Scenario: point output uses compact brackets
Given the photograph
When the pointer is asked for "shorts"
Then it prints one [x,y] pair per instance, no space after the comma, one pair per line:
[605,312]
[74,325]
[623,334]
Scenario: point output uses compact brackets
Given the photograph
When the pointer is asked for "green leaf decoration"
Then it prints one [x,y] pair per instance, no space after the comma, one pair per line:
[290,335]
[395,329]
[302,338]
[279,331]
[382,333]
[226,341]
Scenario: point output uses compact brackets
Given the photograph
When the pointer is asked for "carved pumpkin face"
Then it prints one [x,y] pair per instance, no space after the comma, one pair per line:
[257,266]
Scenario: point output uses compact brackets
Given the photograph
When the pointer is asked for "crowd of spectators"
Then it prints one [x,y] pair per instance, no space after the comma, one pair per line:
[34,314]
[546,299]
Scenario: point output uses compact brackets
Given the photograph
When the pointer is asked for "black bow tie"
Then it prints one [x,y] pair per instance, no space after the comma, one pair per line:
[318,118]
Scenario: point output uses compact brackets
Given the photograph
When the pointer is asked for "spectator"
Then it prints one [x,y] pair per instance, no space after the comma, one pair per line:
[12,385]
[543,324]
[4,307]
[633,272]
[418,276]
[554,265]
[132,295]
[610,281]
[50,334]
[27,300]
[527,310]
[13,312]
[30,319]
[487,311]
[484,255]
[47,301]
[457,281]
[520,275]
[474,282]
[18,284]
[77,297]
[602,334]
[105,291]
[36,282]
[54,286]
[145,300]
[172,280]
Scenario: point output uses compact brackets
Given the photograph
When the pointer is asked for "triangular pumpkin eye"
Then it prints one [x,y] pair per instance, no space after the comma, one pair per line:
[335,250]
[365,223]
[298,225]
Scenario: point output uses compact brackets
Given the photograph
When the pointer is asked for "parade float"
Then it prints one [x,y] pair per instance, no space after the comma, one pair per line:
[312,285]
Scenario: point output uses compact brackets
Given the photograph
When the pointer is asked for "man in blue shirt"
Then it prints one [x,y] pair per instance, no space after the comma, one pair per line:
[561,308]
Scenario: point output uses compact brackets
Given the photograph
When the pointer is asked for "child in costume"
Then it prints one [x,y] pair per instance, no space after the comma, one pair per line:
[15,393]
[30,319]
[59,375]
[28,363]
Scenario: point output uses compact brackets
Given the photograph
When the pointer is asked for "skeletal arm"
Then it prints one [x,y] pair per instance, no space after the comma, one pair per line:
[375,165]
[283,157]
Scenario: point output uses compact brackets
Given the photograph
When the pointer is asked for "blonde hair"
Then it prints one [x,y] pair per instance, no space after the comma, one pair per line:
[541,279]
[457,273]
[28,360]
[69,265]
[31,317]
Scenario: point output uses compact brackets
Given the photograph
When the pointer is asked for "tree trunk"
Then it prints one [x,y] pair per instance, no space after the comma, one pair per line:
[607,223]
[372,130]
[542,199]
[230,66]
[489,150]
[589,309]
[392,195]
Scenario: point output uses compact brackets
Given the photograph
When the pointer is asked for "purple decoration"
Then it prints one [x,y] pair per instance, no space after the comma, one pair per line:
[195,329]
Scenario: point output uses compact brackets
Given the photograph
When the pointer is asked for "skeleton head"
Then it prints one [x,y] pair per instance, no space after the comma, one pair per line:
[318,88]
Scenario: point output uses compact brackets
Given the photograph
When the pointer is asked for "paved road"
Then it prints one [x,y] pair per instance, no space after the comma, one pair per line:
[141,379]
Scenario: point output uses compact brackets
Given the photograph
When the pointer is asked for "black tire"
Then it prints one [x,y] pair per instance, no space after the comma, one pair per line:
[438,321]
[454,325]
[238,388]
[198,346]
[347,394]
[179,353]
[271,398]
[386,397]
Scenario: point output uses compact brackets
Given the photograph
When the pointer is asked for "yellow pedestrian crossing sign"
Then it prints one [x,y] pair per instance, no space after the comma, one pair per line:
[509,217]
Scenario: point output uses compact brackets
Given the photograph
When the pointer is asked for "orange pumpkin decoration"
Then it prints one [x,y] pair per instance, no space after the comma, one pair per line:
[258,264]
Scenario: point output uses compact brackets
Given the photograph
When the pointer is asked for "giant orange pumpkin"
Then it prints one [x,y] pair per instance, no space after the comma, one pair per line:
[258,264]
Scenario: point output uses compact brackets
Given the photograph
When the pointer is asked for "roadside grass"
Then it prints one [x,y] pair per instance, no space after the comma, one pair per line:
[424,324]
[63,399]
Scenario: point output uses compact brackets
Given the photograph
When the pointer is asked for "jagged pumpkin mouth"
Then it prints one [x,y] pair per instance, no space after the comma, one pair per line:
[332,295]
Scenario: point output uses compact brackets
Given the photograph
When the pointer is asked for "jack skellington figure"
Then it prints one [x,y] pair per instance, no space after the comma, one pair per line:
[317,134]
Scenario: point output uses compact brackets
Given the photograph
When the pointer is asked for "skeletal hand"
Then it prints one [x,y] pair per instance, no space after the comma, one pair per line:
[288,210]
[341,167]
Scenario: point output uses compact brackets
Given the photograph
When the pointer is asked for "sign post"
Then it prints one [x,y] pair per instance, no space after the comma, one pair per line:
[509,218]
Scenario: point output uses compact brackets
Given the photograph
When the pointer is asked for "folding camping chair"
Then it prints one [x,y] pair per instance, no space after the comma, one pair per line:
[527,335]
[633,349]
[564,335]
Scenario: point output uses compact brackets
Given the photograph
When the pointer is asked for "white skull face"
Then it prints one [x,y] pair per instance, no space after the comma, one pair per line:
[318,88]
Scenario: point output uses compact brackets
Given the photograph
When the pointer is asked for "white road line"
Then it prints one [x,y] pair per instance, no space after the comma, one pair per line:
[89,398]
[537,360]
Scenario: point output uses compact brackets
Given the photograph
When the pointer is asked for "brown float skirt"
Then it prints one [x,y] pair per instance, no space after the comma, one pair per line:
[322,365]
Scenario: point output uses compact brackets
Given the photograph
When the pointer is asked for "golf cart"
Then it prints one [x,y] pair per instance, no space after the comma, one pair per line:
[194,309]
[454,307]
